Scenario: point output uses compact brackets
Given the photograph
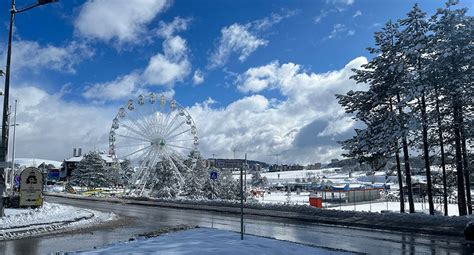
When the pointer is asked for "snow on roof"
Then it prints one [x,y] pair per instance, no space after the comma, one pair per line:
[106,158]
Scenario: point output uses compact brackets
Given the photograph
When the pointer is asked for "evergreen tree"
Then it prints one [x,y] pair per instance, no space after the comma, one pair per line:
[258,180]
[414,46]
[167,181]
[195,179]
[126,172]
[91,171]
[453,51]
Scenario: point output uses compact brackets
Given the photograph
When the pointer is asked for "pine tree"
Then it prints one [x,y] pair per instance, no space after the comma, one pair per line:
[195,180]
[380,108]
[91,171]
[167,180]
[258,180]
[453,52]
[126,172]
[414,46]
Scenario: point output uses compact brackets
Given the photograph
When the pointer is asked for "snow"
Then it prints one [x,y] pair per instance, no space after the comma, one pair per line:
[278,197]
[209,241]
[394,207]
[36,162]
[290,176]
[19,223]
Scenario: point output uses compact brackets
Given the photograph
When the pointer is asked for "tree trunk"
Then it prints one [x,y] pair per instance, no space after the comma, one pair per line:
[443,160]
[400,181]
[426,154]
[406,158]
[399,172]
[459,166]
[467,173]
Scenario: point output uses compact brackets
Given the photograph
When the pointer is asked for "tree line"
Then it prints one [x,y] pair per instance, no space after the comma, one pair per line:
[419,101]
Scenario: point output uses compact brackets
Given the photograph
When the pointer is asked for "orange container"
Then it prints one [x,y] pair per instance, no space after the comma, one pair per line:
[316,202]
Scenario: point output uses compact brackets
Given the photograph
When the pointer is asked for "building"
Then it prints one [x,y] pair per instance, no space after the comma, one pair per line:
[230,164]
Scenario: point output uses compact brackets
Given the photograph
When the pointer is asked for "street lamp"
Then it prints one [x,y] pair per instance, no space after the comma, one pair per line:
[4,145]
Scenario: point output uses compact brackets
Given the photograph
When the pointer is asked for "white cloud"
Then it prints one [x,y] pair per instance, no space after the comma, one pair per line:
[243,39]
[344,2]
[322,14]
[263,77]
[167,30]
[32,57]
[198,77]
[49,127]
[357,14]
[163,69]
[338,30]
[275,18]
[235,39]
[304,127]
[170,67]
[120,20]
[120,88]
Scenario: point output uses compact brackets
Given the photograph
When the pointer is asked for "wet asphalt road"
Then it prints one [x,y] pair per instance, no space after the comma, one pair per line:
[141,219]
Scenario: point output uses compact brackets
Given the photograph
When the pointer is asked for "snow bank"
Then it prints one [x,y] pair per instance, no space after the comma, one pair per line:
[19,223]
[209,241]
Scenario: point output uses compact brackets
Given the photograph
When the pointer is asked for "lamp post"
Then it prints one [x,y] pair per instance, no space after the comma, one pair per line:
[4,144]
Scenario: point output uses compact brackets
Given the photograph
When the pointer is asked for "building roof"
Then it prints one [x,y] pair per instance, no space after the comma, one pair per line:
[106,158]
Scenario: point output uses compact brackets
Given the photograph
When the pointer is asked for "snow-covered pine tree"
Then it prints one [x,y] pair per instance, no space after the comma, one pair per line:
[414,45]
[167,181]
[258,180]
[381,108]
[195,179]
[126,172]
[91,171]
[225,187]
[454,53]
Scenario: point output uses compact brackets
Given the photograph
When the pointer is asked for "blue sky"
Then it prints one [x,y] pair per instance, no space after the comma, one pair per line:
[255,75]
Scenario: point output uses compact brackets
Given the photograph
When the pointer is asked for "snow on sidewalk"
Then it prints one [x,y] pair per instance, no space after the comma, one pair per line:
[209,241]
[20,223]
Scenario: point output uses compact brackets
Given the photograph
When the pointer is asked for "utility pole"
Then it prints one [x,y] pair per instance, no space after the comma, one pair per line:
[245,176]
[12,177]
[241,204]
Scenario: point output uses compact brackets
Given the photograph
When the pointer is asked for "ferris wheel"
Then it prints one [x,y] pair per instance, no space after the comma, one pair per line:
[149,130]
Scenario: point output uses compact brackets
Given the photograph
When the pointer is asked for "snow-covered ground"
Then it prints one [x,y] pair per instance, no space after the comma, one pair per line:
[278,197]
[209,241]
[394,207]
[19,223]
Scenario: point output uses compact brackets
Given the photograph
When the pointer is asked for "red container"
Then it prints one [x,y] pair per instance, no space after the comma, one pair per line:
[316,202]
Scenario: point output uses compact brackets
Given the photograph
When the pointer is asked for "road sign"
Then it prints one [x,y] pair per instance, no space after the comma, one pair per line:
[213,175]
[31,187]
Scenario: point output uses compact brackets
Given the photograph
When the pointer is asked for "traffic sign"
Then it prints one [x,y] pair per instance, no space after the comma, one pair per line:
[213,175]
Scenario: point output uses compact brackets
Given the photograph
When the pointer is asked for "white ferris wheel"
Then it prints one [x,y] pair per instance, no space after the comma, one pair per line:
[149,130]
